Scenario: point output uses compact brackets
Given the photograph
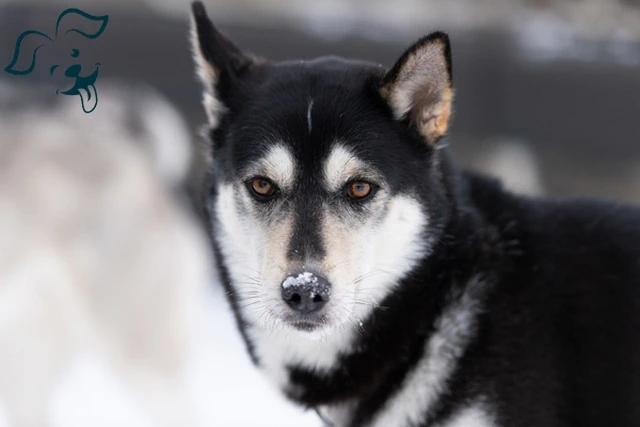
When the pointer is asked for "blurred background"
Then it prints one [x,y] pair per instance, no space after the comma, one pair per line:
[110,313]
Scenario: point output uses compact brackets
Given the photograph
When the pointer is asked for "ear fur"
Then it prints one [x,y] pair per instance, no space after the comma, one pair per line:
[420,86]
[219,63]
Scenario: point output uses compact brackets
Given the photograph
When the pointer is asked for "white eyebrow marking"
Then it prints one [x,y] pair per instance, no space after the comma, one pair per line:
[309,115]
[278,164]
[341,165]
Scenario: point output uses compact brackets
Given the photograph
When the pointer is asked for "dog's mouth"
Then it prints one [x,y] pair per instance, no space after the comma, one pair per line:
[307,323]
[306,326]
[84,87]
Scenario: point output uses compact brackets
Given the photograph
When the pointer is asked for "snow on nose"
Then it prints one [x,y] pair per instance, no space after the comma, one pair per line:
[306,292]
[304,278]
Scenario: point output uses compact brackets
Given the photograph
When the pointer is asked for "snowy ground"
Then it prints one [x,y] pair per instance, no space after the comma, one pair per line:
[224,387]
[110,314]
[227,388]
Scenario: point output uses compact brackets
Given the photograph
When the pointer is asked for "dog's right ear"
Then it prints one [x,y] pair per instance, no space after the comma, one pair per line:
[220,64]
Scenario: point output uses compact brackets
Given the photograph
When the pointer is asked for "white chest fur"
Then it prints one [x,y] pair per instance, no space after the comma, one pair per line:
[278,350]
[475,415]
[429,378]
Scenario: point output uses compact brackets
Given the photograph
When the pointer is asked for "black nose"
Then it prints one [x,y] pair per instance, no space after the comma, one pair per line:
[306,292]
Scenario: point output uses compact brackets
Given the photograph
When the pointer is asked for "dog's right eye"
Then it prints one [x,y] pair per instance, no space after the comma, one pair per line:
[261,188]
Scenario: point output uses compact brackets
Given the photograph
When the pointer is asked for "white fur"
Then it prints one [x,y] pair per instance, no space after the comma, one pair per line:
[339,415]
[208,76]
[278,165]
[309,124]
[424,385]
[393,249]
[279,349]
[475,415]
[340,166]
[238,240]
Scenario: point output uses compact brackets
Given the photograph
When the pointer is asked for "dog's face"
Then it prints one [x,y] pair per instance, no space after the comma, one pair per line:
[79,80]
[326,183]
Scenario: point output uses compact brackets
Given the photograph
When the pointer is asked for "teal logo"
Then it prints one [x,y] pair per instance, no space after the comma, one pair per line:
[30,41]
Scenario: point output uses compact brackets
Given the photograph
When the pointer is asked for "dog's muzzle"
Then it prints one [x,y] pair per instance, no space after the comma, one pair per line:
[306,292]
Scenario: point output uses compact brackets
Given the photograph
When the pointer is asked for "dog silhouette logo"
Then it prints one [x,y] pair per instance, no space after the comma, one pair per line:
[30,41]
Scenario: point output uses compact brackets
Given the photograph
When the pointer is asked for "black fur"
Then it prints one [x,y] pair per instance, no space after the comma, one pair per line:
[558,341]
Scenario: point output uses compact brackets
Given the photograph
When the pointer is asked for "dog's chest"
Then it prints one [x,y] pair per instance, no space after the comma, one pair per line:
[278,353]
[337,415]
[474,415]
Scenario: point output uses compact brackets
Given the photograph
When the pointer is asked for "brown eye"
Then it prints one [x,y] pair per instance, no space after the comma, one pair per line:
[359,189]
[262,187]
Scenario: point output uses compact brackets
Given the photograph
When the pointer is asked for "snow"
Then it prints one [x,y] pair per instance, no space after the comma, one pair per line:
[300,280]
[220,385]
[225,386]
[91,394]
[4,418]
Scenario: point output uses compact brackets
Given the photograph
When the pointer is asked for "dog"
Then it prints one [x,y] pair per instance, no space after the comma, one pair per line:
[378,283]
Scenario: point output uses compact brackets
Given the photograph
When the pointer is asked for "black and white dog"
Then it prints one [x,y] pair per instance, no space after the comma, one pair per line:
[378,284]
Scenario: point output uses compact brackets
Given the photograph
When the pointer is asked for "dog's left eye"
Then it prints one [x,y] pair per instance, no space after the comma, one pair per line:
[261,188]
[359,190]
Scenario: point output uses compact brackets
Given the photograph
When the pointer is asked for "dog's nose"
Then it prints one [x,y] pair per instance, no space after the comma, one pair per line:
[306,292]
[73,71]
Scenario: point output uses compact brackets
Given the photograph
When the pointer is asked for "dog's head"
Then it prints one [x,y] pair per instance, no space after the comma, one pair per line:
[71,23]
[327,190]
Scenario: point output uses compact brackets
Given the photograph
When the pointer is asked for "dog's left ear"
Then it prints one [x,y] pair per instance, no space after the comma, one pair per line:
[419,86]
[220,64]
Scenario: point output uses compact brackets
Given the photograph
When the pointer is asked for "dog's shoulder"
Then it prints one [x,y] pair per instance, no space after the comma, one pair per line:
[573,245]
[596,224]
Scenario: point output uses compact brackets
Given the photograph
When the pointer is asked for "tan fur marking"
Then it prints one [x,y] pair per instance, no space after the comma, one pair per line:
[435,120]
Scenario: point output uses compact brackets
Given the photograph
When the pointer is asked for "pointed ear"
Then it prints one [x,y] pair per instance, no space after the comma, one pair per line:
[24,55]
[219,63]
[419,86]
[77,21]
